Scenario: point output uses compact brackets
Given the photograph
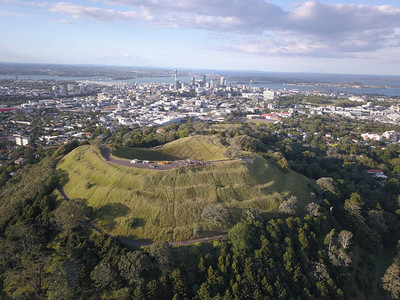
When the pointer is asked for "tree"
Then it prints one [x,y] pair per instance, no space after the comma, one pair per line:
[244,142]
[329,239]
[321,272]
[34,270]
[64,280]
[338,256]
[242,236]
[102,274]
[251,214]
[377,220]
[313,209]
[391,279]
[204,292]
[28,277]
[132,264]
[216,214]
[327,184]
[354,204]
[162,252]
[179,282]
[232,152]
[289,206]
[25,237]
[283,164]
[72,214]
[344,238]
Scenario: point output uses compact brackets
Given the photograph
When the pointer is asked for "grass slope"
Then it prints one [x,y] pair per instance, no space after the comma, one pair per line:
[167,205]
[205,148]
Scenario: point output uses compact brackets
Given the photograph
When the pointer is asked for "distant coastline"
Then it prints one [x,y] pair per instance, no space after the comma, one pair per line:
[303,82]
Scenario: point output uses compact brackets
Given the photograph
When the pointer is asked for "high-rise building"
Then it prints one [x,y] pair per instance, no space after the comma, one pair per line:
[222,81]
[204,79]
[177,83]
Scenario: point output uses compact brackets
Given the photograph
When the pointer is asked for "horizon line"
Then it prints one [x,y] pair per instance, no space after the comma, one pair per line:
[192,69]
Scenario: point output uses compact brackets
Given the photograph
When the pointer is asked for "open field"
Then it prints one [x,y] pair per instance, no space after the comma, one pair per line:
[167,205]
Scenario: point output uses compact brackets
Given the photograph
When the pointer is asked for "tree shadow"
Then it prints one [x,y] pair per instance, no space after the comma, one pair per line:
[63,177]
[109,212]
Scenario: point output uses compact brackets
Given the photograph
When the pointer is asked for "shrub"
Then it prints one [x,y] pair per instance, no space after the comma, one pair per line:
[130,223]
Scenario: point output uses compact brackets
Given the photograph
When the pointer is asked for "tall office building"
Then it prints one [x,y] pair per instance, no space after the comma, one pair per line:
[222,81]
[204,79]
[177,83]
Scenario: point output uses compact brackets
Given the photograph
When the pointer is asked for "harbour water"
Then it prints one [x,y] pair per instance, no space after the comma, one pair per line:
[369,84]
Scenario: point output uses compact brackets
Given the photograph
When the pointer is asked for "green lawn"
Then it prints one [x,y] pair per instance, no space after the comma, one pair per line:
[167,205]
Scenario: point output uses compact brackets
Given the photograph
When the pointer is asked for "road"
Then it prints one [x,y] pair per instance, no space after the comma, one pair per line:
[205,239]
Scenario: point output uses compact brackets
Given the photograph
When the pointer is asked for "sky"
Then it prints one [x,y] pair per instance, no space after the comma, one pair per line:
[325,36]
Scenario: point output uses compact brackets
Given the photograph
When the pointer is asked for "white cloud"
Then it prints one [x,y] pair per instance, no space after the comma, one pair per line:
[62,21]
[8,13]
[27,3]
[121,55]
[93,13]
[311,28]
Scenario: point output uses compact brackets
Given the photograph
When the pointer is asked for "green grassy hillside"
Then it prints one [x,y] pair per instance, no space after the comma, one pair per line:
[167,205]
[204,148]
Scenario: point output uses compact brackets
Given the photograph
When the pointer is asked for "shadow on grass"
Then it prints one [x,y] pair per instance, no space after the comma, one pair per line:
[109,212]
[143,154]
[63,177]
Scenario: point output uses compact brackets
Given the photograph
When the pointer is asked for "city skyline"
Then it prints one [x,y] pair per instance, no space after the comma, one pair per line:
[357,37]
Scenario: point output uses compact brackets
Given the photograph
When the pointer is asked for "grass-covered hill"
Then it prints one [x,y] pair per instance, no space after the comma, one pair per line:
[205,148]
[196,147]
[167,205]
